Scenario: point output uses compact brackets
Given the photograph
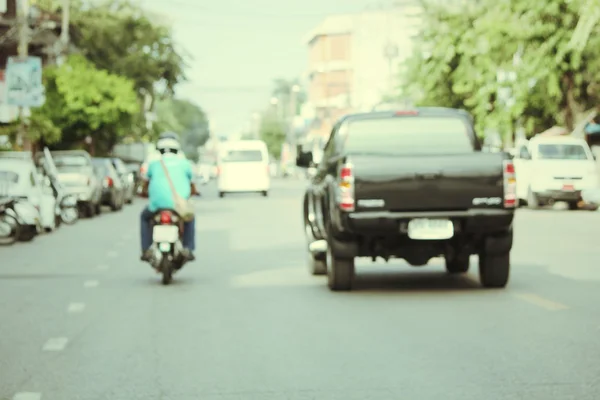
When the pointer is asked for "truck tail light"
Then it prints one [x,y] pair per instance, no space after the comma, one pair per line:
[345,194]
[510,184]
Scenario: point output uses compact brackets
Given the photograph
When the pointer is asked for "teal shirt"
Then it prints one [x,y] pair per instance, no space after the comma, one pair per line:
[159,191]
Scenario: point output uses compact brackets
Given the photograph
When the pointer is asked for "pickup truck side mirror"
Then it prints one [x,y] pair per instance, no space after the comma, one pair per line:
[304,159]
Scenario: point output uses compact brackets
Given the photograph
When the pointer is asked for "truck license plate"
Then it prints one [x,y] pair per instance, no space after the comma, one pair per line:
[568,188]
[165,233]
[430,229]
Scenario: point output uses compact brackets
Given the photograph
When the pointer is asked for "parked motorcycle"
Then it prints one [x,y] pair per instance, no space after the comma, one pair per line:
[9,222]
[167,242]
[69,212]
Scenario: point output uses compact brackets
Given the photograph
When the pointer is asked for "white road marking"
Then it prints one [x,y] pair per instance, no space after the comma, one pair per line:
[56,344]
[27,396]
[280,277]
[103,267]
[541,302]
[90,284]
[76,307]
[113,254]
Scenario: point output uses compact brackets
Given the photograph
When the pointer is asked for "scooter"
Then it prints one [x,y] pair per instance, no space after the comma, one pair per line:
[9,222]
[167,234]
[66,204]
[69,212]
[19,220]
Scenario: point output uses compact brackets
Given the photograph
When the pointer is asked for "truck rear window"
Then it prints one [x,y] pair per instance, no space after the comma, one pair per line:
[409,136]
[243,156]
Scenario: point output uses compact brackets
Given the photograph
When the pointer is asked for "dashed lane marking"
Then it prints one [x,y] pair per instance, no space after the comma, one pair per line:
[90,284]
[27,396]
[76,308]
[56,344]
[541,302]
[280,277]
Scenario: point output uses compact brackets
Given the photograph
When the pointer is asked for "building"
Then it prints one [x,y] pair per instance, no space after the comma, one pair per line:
[354,61]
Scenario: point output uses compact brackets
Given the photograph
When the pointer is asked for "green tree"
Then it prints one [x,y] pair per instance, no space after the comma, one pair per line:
[283,89]
[272,132]
[83,101]
[185,118]
[553,65]
[120,37]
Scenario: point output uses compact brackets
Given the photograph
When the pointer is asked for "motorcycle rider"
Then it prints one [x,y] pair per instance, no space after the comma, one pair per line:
[157,189]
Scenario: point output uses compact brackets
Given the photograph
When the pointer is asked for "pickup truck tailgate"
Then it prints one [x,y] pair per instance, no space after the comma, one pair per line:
[428,183]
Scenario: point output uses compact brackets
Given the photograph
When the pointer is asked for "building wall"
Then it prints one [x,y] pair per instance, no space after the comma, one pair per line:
[349,71]
[375,75]
[330,78]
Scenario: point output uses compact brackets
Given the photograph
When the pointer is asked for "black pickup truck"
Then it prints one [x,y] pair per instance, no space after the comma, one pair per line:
[410,184]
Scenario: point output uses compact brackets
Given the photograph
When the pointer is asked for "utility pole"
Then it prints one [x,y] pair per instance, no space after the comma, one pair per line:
[294,90]
[23,53]
[64,31]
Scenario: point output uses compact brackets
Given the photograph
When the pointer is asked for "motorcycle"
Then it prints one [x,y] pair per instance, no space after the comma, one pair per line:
[66,204]
[10,227]
[69,213]
[167,233]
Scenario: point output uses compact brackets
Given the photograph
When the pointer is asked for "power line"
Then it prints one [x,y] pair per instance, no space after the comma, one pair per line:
[244,13]
[230,89]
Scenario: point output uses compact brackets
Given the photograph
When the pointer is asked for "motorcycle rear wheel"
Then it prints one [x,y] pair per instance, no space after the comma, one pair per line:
[166,270]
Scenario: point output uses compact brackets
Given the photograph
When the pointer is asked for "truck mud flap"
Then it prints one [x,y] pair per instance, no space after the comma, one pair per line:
[498,244]
[343,249]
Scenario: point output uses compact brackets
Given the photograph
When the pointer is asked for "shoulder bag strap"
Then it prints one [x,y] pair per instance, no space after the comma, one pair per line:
[173,191]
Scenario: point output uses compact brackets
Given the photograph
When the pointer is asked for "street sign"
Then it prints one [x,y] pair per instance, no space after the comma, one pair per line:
[24,85]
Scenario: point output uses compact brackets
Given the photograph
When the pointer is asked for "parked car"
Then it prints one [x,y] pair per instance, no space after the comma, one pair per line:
[126,177]
[113,191]
[76,173]
[409,184]
[555,168]
[19,179]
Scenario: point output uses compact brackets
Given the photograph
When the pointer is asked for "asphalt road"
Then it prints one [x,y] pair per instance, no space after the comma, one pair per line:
[82,318]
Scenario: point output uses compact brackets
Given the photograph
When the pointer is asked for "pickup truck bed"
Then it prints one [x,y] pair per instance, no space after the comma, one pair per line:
[413,202]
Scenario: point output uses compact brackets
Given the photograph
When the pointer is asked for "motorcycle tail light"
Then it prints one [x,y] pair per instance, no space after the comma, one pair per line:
[165,217]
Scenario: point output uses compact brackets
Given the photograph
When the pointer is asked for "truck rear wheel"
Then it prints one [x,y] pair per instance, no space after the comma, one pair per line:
[494,270]
[340,272]
[458,265]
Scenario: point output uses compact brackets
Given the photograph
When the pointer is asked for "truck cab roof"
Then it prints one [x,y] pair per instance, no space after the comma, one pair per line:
[416,111]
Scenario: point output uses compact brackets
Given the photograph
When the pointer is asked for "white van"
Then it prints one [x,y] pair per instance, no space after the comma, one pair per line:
[555,168]
[243,166]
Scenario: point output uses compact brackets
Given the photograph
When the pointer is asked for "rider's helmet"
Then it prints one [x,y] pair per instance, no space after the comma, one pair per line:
[168,142]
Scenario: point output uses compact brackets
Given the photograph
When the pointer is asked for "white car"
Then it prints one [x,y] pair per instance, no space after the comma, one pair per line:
[243,166]
[19,178]
[550,169]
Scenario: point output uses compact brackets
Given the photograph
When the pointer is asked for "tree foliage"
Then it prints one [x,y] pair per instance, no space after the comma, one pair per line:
[283,90]
[120,37]
[84,101]
[185,118]
[506,61]
[272,132]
